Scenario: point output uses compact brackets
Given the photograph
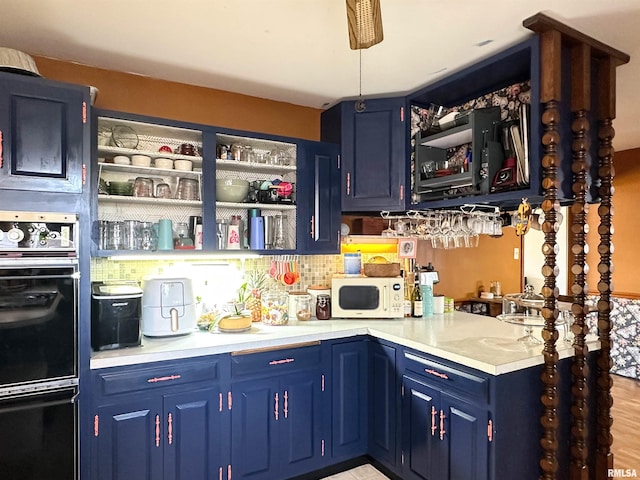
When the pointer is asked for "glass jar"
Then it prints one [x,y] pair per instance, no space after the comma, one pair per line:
[303,306]
[236,152]
[247,154]
[323,307]
[314,291]
[274,308]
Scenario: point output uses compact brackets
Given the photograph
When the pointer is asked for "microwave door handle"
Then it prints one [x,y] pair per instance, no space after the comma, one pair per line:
[384,298]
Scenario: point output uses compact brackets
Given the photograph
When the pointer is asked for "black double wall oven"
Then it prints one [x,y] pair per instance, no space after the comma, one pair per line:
[39,282]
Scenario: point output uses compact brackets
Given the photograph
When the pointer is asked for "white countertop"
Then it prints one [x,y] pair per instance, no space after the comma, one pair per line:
[477,341]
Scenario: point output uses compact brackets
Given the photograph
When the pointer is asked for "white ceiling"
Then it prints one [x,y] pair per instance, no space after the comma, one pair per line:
[297,51]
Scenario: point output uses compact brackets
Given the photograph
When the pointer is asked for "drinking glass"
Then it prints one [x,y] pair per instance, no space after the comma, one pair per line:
[279,240]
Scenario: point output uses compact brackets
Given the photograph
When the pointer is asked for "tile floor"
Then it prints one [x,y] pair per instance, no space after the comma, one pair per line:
[363,472]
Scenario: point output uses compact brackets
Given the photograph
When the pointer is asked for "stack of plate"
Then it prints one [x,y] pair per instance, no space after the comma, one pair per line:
[121,188]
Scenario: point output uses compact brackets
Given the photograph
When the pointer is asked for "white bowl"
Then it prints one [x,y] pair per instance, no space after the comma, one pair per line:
[165,163]
[231,190]
[184,165]
[141,160]
[121,160]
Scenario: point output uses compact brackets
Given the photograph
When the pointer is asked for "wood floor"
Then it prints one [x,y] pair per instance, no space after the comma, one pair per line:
[626,422]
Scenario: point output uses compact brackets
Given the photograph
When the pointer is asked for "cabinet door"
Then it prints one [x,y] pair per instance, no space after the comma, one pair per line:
[194,434]
[374,160]
[129,439]
[383,403]
[299,424]
[349,399]
[254,414]
[42,128]
[466,441]
[319,199]
[424,450]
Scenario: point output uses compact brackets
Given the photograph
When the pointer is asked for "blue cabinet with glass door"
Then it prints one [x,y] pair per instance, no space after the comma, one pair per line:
[44,135]
[373,153]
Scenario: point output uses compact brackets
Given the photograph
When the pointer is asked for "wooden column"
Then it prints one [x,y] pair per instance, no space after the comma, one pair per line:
[553,36]
[550,95]
[580,106]
[606,113]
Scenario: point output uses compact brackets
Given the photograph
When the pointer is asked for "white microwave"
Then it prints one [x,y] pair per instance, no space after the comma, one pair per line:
[367,297]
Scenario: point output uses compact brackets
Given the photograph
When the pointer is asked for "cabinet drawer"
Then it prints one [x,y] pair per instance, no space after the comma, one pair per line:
[276,360]
[136,379]
[446,376]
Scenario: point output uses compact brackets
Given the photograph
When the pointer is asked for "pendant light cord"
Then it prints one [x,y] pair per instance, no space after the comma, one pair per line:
[360,106]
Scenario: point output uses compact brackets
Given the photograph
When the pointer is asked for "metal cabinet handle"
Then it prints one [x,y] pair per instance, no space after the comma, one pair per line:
[490,430]
[0,148]
[434,414]
[348,183]
[275,406]
[163,379]
[313,227]
[436,373]
[157,431]
[96,426]
[170,428]
[442,432]
[286,404]
[280,362]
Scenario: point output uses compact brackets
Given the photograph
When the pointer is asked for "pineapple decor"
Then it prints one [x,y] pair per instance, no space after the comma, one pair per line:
[255,284]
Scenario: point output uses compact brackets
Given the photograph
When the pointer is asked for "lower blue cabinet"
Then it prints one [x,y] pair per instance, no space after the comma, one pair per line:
[349,401]
[384,405]
[276,421]
[173,437]
[166,421]
[125,441]
[445,438]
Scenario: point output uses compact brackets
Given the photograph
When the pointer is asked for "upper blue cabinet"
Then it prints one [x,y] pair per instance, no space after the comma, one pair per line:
[319,207]
[222,189]
[374,160]
[475,136]
[43,134]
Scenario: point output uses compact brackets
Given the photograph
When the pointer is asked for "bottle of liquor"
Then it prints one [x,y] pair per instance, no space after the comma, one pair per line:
[408,301]
[417,301]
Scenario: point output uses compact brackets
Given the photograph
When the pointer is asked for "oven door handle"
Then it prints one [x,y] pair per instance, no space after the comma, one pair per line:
[73,276]
[38,404]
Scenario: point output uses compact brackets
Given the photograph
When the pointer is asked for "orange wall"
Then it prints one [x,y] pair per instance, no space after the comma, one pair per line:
[626,224]
[461,270]
[177,101]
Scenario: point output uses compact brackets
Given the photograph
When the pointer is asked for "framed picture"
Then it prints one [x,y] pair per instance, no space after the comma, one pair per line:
[407,247]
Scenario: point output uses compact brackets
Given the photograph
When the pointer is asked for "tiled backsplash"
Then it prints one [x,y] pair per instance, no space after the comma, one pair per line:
[313,269]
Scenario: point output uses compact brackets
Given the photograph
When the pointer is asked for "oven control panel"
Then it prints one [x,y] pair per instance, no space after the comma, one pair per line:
[25,231]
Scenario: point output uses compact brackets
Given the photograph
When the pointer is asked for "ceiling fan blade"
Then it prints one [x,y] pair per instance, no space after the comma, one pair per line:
[364,19]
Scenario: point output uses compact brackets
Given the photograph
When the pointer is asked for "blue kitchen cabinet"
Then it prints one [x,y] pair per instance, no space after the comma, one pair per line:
[374,158]
[446,421]
[384,405]
[446,437]
[44,134]
[167,421]
[349,400]
[319,199]
[276,414]
[125,446]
